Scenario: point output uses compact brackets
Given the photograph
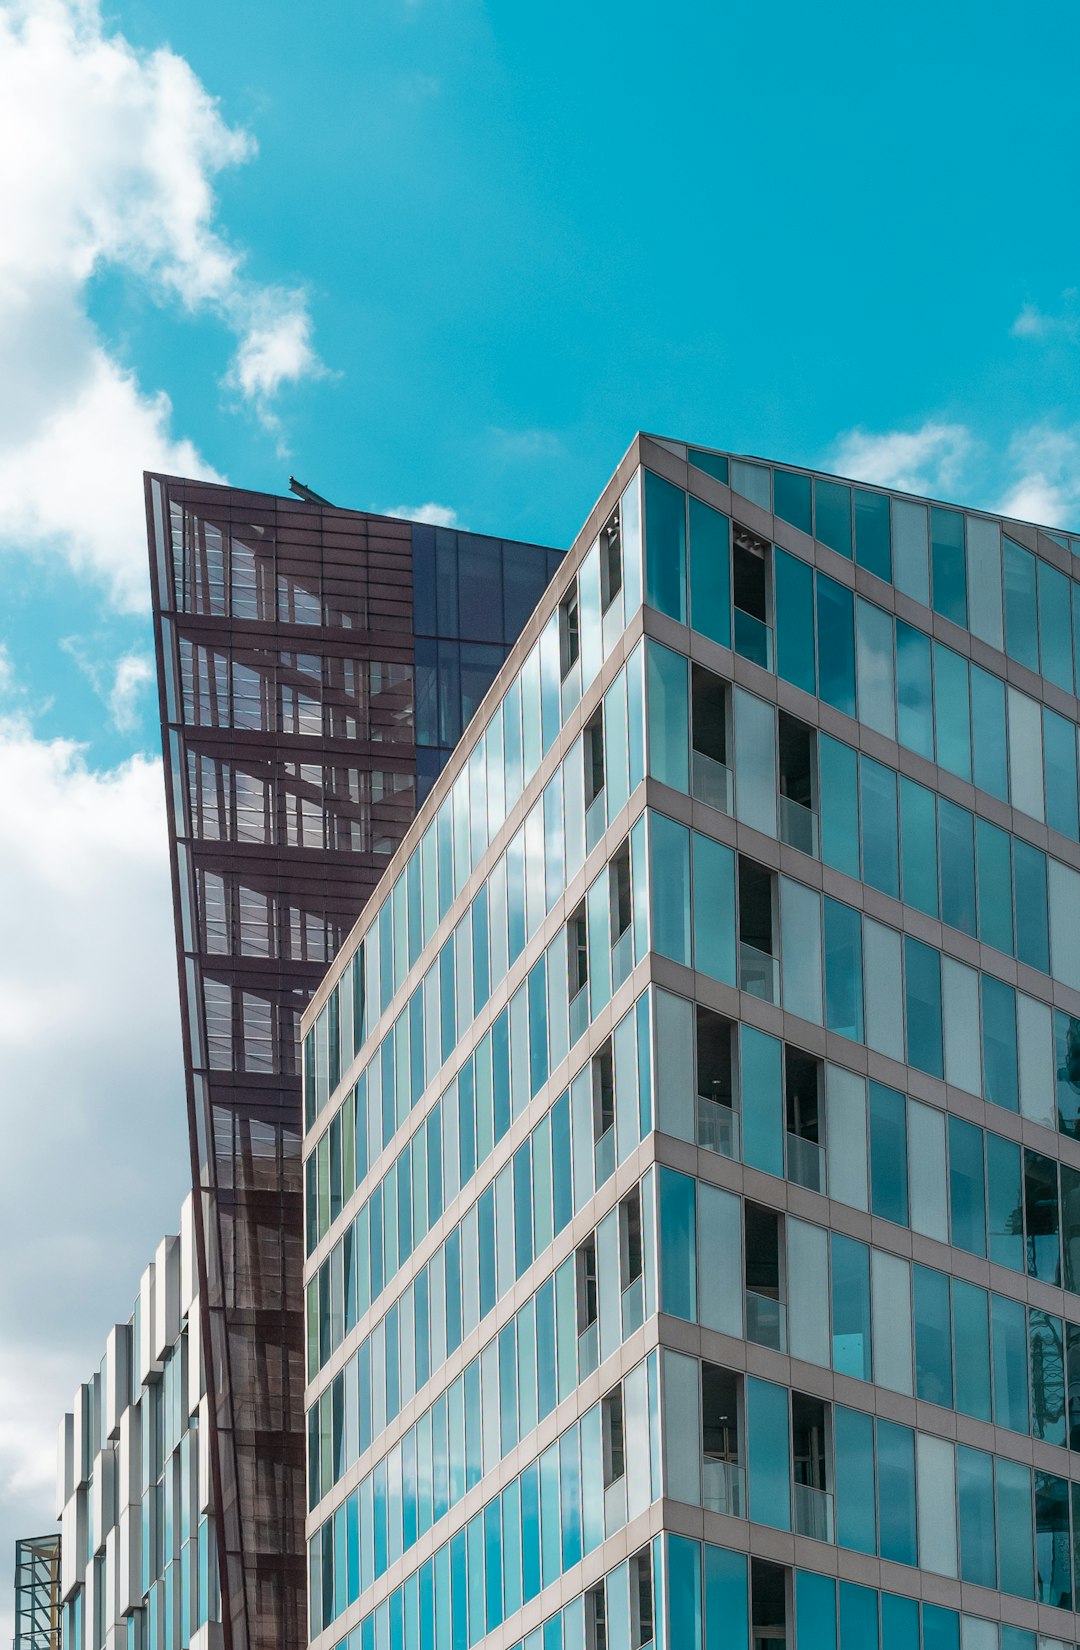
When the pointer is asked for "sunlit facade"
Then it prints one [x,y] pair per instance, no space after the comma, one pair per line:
[692,1120]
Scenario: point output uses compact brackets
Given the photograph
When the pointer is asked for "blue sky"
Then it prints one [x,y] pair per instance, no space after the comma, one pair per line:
[441,255]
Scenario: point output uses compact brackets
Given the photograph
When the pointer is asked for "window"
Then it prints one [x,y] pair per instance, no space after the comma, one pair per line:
[611,1414]
[798,790]
[723,1487]
[768,1605]
[603,1101]
[803,1102]
[577,966]
[809,1456]
[765,1314]
[611,577]
[587,1308]
[595,1619]
[631,1254]
[622,910]
[642,1620]
[758,972]
[753,637]
[715,1114]
[569,631]
[595,804]
[710,708]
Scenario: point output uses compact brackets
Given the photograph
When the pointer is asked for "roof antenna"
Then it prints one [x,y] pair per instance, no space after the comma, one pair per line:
[306,493]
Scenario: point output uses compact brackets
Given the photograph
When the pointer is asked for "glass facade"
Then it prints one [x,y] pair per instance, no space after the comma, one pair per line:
[315,666]
[692,1138]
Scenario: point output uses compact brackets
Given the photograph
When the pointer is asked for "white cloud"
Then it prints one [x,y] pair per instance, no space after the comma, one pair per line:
[1035,478]
[131,676]
[1030,323]
[95,1160]
[108,159]
[521,444]
[930,459]
[7,669]
[439,515]
[1033,322]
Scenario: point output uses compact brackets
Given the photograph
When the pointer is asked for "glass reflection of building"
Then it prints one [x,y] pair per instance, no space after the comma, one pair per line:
[315,666]
[37,1593]
[692,1165]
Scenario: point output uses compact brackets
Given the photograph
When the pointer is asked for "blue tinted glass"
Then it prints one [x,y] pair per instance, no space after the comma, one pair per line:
[858,1617]
[836,645]
[975,1501]
[838,786]
[999,1043]
[1008,1335]
[947,561]
[941,1628]
[794,604]
[990,765]
[888,1153]
[1054,627]
[1004,1202]
[957,866]
[714,909]
[1042,1217]
[843,970]
[971,1339]
[710,572]
[1013,1485]
[854,1448]
[918,847]
[714,464]
[952,713]
[1021,617]
[873,544]
[684,1591]
[832,515]
[670,886]
[922,971]
[768,1454]
[727,1625]
[995,886]
[1059,764]
[896,1492]
[791,499]
[665,547]
[914,707]
[678,1245]
[851,1308]
[933,1337]
[880,838]
[761,1073]
[899,1622]
[967,1193]
[815,1611]
[1032,917]
[1048,1379]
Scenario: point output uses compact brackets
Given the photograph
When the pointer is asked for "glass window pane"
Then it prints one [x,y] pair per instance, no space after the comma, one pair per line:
[665,547]
[768,1452]
[1021,616]
[794,604]
[1004,1202]
[843,970]
[999,1043]
[922,969]
[669,716]
[836,645]
[995,886]
[950,571]
[791,499]
[952,714]
[888,1154]
[1032,916]
[838,787]
[918,842]
[851,1307]
[914,702]
[853,1444]
[873,542]
[1055,640]
[989,761]
[1059,757]
[710,572]
[911,553]
[933,1337]
[971,1348]
[832,515]
[967,1193]
[1025,753]
[984,579]
[876,677]
[880,836]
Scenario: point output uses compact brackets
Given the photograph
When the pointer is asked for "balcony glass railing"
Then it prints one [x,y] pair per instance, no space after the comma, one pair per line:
[798,825]
[753,639]
[633,1306]
[759,973]
[717,1126]
[615,1506]
[805,1163]
[622,958]
[579,1014]
[723,1487]
[571,688]
[711,781]
[813,1513]
[595,820]
[766,1321]
[588,1350]
[604,1155]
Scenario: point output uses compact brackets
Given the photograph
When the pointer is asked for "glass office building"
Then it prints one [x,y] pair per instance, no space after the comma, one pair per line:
[315,666]
[692,1120]
[135,1564]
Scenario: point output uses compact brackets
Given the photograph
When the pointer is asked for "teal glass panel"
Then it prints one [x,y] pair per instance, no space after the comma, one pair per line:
[1033,921]
[550,1530]
[1021,612]
[899,1622]
[665,547]
[914,695]
[918,847]
[1067,1072]
[669,716]
[948,565]
[956,827]
[669,881]
[793,597]
[975,1505]
[933,1337]
[815,1611]
[967,1187]
[1017,1638]
[952,711]
[922,983]
[858,1617]
[941,1628]
[843,970]
[1042,1217]
[1004,1202]
[713,464]
[710,572]
[1008,1339]
[727,1617]
[971,1340]
[791,499]
[990,768]
[839,803]
[768,1452]
[836,645]
[851,1307]
[853,1434]
[896,1493]
[762,1096]
[888,1154]
[570,1498]
[999,1043]
[1013,1496]
[832,515]
[880,832]
[678,1244]
[1053,1567]
[1055,638]
[1049,1387]
[684,1591]
[530,1531]
[714,909]
[994,859]
[873,541]
[1059,771]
